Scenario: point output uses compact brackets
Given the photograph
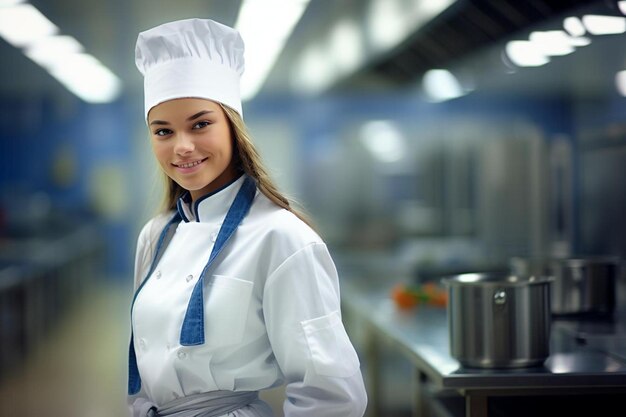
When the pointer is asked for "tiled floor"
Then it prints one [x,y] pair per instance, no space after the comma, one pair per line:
[80,368]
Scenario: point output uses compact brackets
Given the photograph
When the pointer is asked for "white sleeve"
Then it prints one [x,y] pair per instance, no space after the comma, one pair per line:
[301,306]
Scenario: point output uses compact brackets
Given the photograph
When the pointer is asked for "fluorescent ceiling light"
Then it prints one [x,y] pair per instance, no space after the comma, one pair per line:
[388,23]
[620,82]
[604,25]
[25,27]
[383,140]
[265,26]
[552,42]
[580,41]
[441,85]
[574,26]
[622,6]
[313,71]
[23,24]
[525,54]
[53,50]
[346,46]
[430,8]
[86,77]
[4,3]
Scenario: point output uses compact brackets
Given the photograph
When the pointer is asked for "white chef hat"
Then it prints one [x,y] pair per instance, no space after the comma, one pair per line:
[197,58]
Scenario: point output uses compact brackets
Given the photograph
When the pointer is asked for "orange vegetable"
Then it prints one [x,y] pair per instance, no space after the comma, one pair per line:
[406,297]
[440,299]
[430,288]
[402,297]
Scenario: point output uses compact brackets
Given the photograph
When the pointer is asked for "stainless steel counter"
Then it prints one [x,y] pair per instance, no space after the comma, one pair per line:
[421,335]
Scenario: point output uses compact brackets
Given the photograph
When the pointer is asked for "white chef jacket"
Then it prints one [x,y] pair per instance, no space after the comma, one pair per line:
[271,305]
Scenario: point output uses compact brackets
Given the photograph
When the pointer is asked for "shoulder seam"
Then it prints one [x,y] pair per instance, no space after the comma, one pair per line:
[287,259]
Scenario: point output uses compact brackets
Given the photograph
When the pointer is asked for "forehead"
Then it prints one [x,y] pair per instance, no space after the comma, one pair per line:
[181,108]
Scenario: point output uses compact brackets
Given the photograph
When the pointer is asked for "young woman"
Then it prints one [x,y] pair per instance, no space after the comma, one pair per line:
[235,293]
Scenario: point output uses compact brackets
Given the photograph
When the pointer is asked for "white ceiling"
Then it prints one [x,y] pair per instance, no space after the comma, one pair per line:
[108,30]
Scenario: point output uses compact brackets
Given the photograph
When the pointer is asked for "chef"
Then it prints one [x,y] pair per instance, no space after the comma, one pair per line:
[234,291]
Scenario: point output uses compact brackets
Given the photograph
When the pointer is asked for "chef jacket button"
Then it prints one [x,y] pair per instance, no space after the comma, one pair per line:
[213,237]
[182,355]
[189,278]
[158,274]
[142,343]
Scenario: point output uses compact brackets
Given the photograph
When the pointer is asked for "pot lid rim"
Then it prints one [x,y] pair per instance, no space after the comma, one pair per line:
[491,280]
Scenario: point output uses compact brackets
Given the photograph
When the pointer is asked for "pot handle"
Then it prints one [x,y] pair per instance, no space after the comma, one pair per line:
[499,297]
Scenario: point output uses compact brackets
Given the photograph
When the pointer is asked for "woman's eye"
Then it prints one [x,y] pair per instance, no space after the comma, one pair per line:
[200,125]
[162,132]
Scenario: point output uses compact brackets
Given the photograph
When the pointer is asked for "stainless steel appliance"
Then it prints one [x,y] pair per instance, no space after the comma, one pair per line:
[499,320]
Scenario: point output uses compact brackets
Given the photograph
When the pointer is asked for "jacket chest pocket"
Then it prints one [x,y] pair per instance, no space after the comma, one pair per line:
[227,302]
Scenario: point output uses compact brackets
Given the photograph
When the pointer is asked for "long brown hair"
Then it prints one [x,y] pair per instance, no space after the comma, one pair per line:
[246,160]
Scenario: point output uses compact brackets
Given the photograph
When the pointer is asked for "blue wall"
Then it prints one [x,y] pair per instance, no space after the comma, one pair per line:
[32,132]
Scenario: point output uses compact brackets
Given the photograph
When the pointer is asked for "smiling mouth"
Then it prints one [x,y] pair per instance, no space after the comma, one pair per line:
[190,164]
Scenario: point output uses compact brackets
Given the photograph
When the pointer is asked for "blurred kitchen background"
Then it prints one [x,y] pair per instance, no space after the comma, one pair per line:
[423,137]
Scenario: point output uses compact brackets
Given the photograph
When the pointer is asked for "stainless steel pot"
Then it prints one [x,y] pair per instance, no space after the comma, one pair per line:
[584,287]
[499,320]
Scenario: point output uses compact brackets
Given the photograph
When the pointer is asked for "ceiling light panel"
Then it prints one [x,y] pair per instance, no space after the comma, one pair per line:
[525,54]
[604,25]
[574,26]
[441,85]
[23,24]
[552,42]
[51,51]
[25,27]
[265,26]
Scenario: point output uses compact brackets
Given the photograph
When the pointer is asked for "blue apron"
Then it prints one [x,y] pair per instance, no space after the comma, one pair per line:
[192,330]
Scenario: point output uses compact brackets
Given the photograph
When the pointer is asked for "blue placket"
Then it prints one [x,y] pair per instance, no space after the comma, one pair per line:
[192,330]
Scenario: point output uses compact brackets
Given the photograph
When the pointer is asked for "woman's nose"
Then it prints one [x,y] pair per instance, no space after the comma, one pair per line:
[184,144]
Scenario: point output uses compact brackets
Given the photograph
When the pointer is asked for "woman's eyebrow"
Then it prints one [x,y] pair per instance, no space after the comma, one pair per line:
[195,116]
[201,113]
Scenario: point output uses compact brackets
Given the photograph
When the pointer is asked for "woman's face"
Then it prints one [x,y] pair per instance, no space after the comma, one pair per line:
[191,140]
